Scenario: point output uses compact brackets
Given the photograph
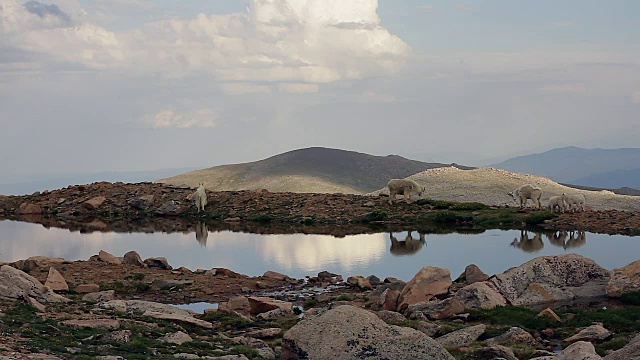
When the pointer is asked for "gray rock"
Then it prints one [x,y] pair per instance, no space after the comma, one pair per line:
[348,332]
[16,284]
[428,283]
[142,202]
[631,351]
[496,352]
[391,316]
[55,281]
[552,278]
[462,337]
[133,258]
[593,333]
[515,335]
[178,338]
[155,310]
[480,295]
[99,296]
[158,263]
[581,350]
[104,324]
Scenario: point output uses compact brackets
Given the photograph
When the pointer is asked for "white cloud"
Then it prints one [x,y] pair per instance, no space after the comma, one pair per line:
[426,8]
[245,88]
[565,88]
[299,88]
[203,118]
[293,41]
[463,7]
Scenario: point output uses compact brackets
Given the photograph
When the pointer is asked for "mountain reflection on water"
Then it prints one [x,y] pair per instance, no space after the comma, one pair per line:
[300,251]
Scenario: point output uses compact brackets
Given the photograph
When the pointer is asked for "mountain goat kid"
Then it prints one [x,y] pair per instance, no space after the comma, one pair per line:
[405,187]
[201,197]
[556,202]
[525,192]
[574,202]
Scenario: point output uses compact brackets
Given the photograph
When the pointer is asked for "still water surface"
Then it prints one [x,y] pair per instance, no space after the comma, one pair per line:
[301,255]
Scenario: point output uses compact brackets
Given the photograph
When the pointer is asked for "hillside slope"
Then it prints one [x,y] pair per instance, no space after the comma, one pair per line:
[316,169]
[490,186]
[569,164]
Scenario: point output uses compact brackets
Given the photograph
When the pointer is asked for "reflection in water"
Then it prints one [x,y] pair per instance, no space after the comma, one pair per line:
[407,246]
[527,244]
[299,255]
[202,233]
[576,239]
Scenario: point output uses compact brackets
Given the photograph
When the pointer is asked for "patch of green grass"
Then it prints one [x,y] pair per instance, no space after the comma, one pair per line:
[344,297]
[448,217]
[436,204]
[513,316]
[632,298]
[135,276]
[617,320]
[375,215]
[247,351]
[468,206]
[615,343]
[309,303]
[539,217]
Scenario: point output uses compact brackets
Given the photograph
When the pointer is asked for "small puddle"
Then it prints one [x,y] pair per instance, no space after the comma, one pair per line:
[198,307]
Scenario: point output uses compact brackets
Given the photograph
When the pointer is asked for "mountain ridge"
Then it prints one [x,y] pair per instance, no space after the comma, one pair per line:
[572,165]
[313,169]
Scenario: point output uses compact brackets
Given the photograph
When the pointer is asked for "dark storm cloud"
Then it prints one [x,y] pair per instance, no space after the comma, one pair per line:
[44,10]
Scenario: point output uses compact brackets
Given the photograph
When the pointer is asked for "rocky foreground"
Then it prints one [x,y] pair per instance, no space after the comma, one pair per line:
[120,207]
[108,307]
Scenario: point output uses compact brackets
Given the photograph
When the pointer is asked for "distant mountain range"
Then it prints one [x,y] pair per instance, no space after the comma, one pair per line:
[316,169]
[51,182]
[601,168]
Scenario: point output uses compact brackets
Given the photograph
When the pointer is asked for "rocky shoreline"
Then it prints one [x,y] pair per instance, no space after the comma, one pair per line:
[120,207]
[108,307]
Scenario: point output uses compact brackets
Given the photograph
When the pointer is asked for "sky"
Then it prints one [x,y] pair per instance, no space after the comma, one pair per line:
[127,85]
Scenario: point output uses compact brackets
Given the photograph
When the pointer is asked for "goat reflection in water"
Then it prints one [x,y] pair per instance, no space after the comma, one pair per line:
[202,232]
[575,239]
[557,238]
[407,246]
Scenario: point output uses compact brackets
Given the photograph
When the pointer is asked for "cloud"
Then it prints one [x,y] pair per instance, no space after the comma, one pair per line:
[374,97]
[44,11]
[245,88]
[463,7]
[203,118]
[299,88]
[425,8]
[635,97]
[290,41]
[565,88]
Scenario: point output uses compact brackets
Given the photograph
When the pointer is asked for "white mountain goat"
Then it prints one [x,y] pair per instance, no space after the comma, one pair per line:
[556,202]
[574,202]
[525,192]
[405,187]
[201,197]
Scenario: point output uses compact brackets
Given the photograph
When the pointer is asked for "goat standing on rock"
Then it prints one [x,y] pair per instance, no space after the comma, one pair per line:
[405,187]
[525,192]
[201,197]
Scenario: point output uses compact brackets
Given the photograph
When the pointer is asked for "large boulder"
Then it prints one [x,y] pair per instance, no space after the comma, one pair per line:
[55,281]
[480,295]
[581,350]
[16,284]
[629,351]
[155,310]
[473,274]
[347,332]
[428,283]
[462,337]
[625,279]
[593,333]
[552,278]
